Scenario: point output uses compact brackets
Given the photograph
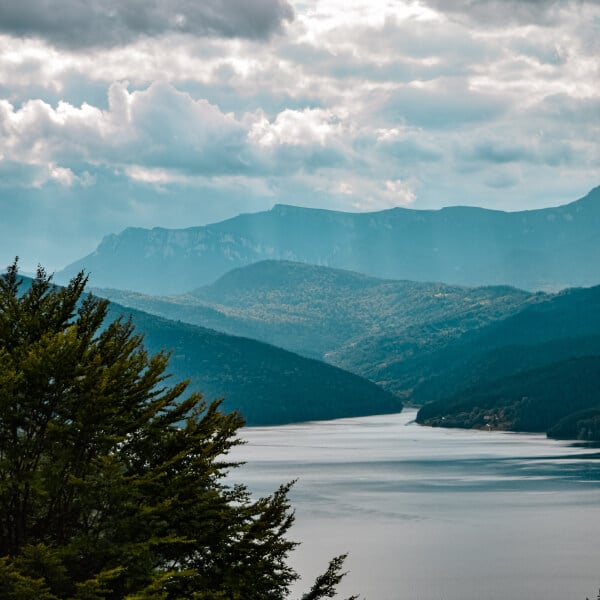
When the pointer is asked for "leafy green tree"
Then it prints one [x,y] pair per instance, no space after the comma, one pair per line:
[112,484]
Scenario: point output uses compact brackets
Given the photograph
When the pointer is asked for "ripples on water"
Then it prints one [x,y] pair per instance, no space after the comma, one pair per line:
[435,514]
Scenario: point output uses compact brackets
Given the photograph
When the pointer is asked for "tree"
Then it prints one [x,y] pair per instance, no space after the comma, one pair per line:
[112,484]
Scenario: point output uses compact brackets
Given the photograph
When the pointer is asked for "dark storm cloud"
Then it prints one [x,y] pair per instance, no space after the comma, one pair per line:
[102,23]
[504,12]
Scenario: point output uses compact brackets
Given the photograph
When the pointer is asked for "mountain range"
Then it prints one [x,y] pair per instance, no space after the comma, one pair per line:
[473,357]
[497,345]
[365,325]
[545,249]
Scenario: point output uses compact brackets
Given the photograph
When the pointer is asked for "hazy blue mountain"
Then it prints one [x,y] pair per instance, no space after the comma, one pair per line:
[364,323]
[550,248]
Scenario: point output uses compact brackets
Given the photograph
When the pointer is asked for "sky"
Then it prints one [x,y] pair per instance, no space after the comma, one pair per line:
[177,113]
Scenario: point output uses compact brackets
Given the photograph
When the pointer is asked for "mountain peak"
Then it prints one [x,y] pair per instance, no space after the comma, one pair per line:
[545,249]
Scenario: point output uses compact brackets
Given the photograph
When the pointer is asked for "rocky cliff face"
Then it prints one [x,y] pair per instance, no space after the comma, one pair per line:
[545,249]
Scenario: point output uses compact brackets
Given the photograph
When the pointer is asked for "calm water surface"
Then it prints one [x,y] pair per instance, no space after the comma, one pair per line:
[435,514]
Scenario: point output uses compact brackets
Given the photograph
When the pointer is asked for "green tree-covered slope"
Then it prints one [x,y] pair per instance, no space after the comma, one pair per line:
[554,328]
[362,324]
[424,342]
[266,384]
[561,398]
[527,372]
[502,362]
[433,369]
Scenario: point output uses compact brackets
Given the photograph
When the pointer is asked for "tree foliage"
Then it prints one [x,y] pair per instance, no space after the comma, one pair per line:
[112,483]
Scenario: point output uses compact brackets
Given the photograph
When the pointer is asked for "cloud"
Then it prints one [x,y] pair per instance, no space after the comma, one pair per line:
[502,180]
[500,13]
[297,128]
[563,108]
[406,145]
[15,173]
[161,135]
[537,151]
[157,127]
[501,152]
[359,106]
[441,104]
[97,23]
[401,192]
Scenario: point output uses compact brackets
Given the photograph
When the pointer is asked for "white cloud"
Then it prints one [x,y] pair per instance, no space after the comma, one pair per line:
[400,192]
[161,135]
[153,176]
[159,127]
[500,13]
[63,176]
[297,128]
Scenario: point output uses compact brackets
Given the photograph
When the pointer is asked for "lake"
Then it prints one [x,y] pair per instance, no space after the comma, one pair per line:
[434,514]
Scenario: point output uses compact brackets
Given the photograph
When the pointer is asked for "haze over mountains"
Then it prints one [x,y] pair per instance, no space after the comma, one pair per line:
[546,249]
[476,355]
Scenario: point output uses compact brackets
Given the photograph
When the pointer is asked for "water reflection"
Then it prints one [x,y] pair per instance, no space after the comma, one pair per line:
[433,513]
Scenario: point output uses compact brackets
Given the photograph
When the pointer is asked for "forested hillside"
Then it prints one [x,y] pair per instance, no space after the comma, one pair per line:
[266,384]
[362,324]
[426,343]
[527,372]
[560,398]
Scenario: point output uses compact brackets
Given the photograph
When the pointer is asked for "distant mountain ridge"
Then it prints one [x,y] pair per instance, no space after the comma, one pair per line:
[550,248]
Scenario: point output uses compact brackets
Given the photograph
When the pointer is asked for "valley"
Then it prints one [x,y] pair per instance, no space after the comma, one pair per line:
[299,300]
[483,356]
